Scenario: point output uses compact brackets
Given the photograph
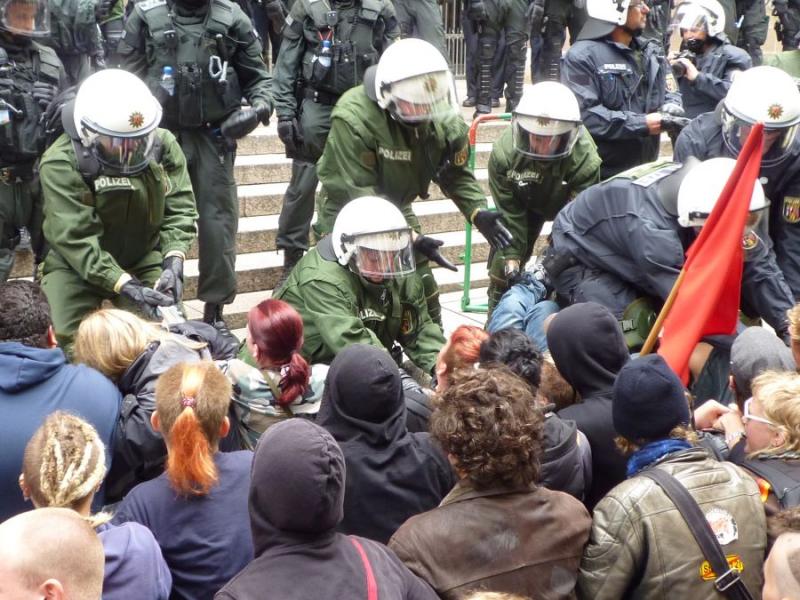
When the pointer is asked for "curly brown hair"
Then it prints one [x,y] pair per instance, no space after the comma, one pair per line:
[488,422]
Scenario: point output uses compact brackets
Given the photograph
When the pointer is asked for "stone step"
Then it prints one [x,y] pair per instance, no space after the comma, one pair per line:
[258,271]
[273,168]
[450,285]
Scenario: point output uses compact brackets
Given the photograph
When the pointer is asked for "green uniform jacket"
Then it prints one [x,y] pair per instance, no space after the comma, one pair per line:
[302,38]
[521,185]
[370,154]
[788,61]
[101,233]
[339,309]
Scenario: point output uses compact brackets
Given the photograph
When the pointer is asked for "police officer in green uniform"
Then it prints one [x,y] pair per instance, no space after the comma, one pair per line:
[325,50]
[30,76]
[538,165]
[200,57]
[119,213]
[394,135]
[75,36]
[753,27]
[357,286]
[422,19]
[549,21]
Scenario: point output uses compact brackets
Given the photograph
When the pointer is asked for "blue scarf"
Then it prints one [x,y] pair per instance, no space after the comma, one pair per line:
[650,453]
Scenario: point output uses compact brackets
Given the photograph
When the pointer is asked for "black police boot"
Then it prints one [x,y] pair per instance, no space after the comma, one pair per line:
[212,314]
[291,256]
[469,102]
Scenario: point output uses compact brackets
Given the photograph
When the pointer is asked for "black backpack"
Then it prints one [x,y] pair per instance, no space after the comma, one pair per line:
[782,475]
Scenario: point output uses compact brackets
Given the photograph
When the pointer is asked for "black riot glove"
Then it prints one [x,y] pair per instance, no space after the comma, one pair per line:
[240,123]
[476,11]
[145,299]
[276,14]
[44,93]
[670,108]
[290,134]
[171,280]
[673,124]
[490,224]
[429,247]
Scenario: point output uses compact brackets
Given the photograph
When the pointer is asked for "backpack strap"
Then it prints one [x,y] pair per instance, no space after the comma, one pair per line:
[728,581]
[779,475]
[372,585]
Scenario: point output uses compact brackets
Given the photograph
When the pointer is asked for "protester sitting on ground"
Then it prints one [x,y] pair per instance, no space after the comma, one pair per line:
[459,352]
[36,380]
[133,353]
[637,521]
[769,425]
[296,502]
[197,509]
[566,455]
[588,348]
[63,467]
[497,530]
[272,381]
[50,553]
[391,474]
[782,569]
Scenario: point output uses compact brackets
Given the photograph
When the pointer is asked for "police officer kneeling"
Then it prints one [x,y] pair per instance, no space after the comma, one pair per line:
[357,287]
[119,212]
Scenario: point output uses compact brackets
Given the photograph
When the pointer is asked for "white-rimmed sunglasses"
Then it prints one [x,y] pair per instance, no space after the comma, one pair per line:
[748,416]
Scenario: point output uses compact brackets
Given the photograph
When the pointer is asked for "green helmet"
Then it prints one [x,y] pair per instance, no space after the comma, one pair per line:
[637,321]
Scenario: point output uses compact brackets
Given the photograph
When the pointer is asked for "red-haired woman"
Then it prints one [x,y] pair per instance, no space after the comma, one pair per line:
[197,510]
[461,351]
[283,384]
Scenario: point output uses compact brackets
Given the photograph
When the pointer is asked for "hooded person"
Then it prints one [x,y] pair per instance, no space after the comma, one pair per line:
[391,474]
[588,348]
[298,552]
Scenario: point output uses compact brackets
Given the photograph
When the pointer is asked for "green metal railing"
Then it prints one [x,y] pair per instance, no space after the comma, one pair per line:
[466,305]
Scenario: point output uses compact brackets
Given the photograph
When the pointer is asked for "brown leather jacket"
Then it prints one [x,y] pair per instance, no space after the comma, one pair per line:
[642,548]
[526,541]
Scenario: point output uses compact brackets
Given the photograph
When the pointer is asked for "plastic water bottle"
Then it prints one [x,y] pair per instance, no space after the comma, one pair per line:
[168,81]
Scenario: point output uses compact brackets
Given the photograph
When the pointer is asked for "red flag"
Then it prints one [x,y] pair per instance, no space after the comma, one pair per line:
[707,301]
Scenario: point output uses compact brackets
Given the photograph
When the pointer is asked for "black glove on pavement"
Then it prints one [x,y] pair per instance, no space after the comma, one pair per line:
[146,300]
[490,224]
[430,247]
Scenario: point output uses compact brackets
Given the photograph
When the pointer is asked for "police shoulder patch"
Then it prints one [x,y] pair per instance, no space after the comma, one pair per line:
[409,321]
[791,209]
[460,159]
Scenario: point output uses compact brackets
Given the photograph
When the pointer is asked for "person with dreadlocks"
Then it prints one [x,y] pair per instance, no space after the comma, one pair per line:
[63,467]
[197,509]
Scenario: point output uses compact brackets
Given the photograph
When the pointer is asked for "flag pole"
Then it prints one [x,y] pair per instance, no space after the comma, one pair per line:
[656,329]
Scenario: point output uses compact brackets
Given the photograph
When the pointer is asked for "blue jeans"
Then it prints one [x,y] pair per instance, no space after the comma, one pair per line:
[524,307]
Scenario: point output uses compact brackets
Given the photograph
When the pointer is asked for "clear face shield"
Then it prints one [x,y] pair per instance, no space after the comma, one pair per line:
[424,98]
[776,140]
[692,18]
[542,138]
[124,155]
[25,18]
[383,255]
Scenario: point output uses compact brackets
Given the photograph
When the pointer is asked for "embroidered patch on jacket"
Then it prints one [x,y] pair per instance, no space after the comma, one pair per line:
[791,209]
[460,159]
[408,322]
[707,573]
[723,525]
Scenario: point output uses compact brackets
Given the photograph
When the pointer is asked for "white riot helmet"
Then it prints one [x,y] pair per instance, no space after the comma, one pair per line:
[707,15]
[701,188]
[767,95]
[371,236]
[546,122]
[116,118]
[604,16]
[25,18]
[414,83]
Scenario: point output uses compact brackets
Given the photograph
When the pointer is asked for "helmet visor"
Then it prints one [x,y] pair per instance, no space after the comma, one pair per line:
[777,141]
[425,97]
[125,155]
[25,18]
[542,138]
[384,255]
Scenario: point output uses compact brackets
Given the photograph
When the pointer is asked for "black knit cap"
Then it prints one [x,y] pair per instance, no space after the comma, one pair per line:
[649,399]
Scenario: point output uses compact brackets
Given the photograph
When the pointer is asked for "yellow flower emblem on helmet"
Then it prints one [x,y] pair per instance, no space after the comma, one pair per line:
[775,111]
[136,119]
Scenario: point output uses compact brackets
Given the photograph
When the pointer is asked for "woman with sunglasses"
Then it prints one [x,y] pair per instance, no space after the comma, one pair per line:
[769,429]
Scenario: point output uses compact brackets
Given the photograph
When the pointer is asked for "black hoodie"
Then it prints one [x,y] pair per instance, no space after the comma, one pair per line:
[391,474]
[296,498]
[588,348]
